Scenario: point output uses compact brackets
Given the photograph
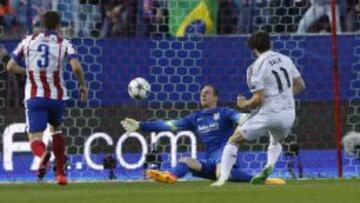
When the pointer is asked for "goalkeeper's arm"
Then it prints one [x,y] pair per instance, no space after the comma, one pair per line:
[132,125]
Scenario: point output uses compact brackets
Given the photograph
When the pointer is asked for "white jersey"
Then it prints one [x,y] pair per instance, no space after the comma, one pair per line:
[43,54]
[274,73]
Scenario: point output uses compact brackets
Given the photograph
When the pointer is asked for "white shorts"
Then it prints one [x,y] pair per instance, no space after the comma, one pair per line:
[276,124]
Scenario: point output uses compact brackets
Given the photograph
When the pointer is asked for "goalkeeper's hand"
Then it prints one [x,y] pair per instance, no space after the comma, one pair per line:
[130,125]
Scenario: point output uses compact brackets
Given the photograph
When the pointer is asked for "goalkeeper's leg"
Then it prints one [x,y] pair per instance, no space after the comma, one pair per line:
[180,170]
[237,175]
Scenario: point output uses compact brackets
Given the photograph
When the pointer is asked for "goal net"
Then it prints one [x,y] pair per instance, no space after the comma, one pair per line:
[179,46]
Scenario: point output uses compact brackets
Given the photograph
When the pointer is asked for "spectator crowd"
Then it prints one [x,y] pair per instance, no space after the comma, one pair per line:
[127,18]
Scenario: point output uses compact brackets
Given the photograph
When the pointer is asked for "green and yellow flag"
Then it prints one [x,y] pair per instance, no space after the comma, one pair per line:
[187,15]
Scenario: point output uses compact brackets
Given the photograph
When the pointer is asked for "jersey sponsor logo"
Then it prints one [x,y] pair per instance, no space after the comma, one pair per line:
[205,128]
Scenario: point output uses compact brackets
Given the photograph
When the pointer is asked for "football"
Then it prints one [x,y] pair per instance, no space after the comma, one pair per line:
[139,88]
[351,143]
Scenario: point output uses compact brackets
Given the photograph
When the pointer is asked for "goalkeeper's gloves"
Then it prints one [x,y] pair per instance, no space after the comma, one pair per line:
[130,125]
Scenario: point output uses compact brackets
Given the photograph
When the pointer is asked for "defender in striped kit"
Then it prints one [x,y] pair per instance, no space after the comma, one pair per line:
[43,54]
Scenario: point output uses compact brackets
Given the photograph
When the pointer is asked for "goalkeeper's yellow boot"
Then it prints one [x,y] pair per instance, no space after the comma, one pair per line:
[161,176]
[275,181]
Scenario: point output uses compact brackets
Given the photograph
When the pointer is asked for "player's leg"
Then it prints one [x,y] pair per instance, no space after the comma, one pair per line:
[281,126]
[184,165]
[207,171]
[229,157]
[36,121]
[236,174]
[273,153]
[210,168]
[248,131]
[274,150]
[58,139]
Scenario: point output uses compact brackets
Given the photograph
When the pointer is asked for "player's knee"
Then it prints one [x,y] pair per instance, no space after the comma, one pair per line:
[275,140]
[191,163]
[54,128]
[185,160]
[35,136]
[237,138]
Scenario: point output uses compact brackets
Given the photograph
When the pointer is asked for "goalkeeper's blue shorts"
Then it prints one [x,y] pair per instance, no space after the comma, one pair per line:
[208,165]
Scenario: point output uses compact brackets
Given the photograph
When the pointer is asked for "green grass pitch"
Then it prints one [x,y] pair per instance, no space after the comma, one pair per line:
[306,191]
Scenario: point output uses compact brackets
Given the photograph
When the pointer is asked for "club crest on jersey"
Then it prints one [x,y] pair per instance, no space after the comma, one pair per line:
[216,116]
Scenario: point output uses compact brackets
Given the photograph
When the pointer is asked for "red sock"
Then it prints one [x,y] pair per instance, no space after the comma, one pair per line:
[59,152]
[38,148]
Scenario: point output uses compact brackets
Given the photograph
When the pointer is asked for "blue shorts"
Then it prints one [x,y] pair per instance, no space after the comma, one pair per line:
[40,111]
[208,166]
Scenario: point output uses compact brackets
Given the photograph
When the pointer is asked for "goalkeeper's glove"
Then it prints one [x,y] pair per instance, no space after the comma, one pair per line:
[130,125]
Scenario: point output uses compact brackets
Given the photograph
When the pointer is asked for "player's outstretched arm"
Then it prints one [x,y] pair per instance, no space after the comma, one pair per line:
[298,85]
[15,68]
[132,125]
[78,71]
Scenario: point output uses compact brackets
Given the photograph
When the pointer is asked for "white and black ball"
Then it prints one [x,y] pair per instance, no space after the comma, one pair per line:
[139,88]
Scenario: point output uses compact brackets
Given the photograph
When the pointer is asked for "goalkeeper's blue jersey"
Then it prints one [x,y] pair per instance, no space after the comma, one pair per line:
[212,126]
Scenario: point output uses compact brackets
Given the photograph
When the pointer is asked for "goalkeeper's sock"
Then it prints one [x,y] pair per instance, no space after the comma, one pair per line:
[38,148]
[273,154]
[228,160]
[180,170]
[59,152]
[238,175]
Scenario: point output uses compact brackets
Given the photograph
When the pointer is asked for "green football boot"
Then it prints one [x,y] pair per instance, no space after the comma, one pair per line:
[262,176]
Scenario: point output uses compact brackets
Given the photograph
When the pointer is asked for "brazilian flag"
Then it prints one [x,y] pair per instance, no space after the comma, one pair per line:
[189,16]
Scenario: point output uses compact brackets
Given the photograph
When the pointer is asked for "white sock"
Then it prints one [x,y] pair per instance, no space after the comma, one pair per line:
[273,154]
[228,160]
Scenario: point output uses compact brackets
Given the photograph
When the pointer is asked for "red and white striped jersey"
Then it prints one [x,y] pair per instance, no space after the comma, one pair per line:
[43,54]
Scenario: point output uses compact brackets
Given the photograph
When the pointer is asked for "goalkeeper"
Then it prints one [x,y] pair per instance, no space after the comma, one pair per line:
[213,125]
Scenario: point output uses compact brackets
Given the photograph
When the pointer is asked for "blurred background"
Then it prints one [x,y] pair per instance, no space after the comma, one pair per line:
[139,18]
[179,46]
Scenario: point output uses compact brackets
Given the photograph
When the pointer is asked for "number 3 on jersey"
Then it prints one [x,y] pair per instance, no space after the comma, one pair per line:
[43,62]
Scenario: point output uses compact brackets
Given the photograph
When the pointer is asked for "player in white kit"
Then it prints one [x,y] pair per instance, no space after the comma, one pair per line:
[42,54]
[274,80]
